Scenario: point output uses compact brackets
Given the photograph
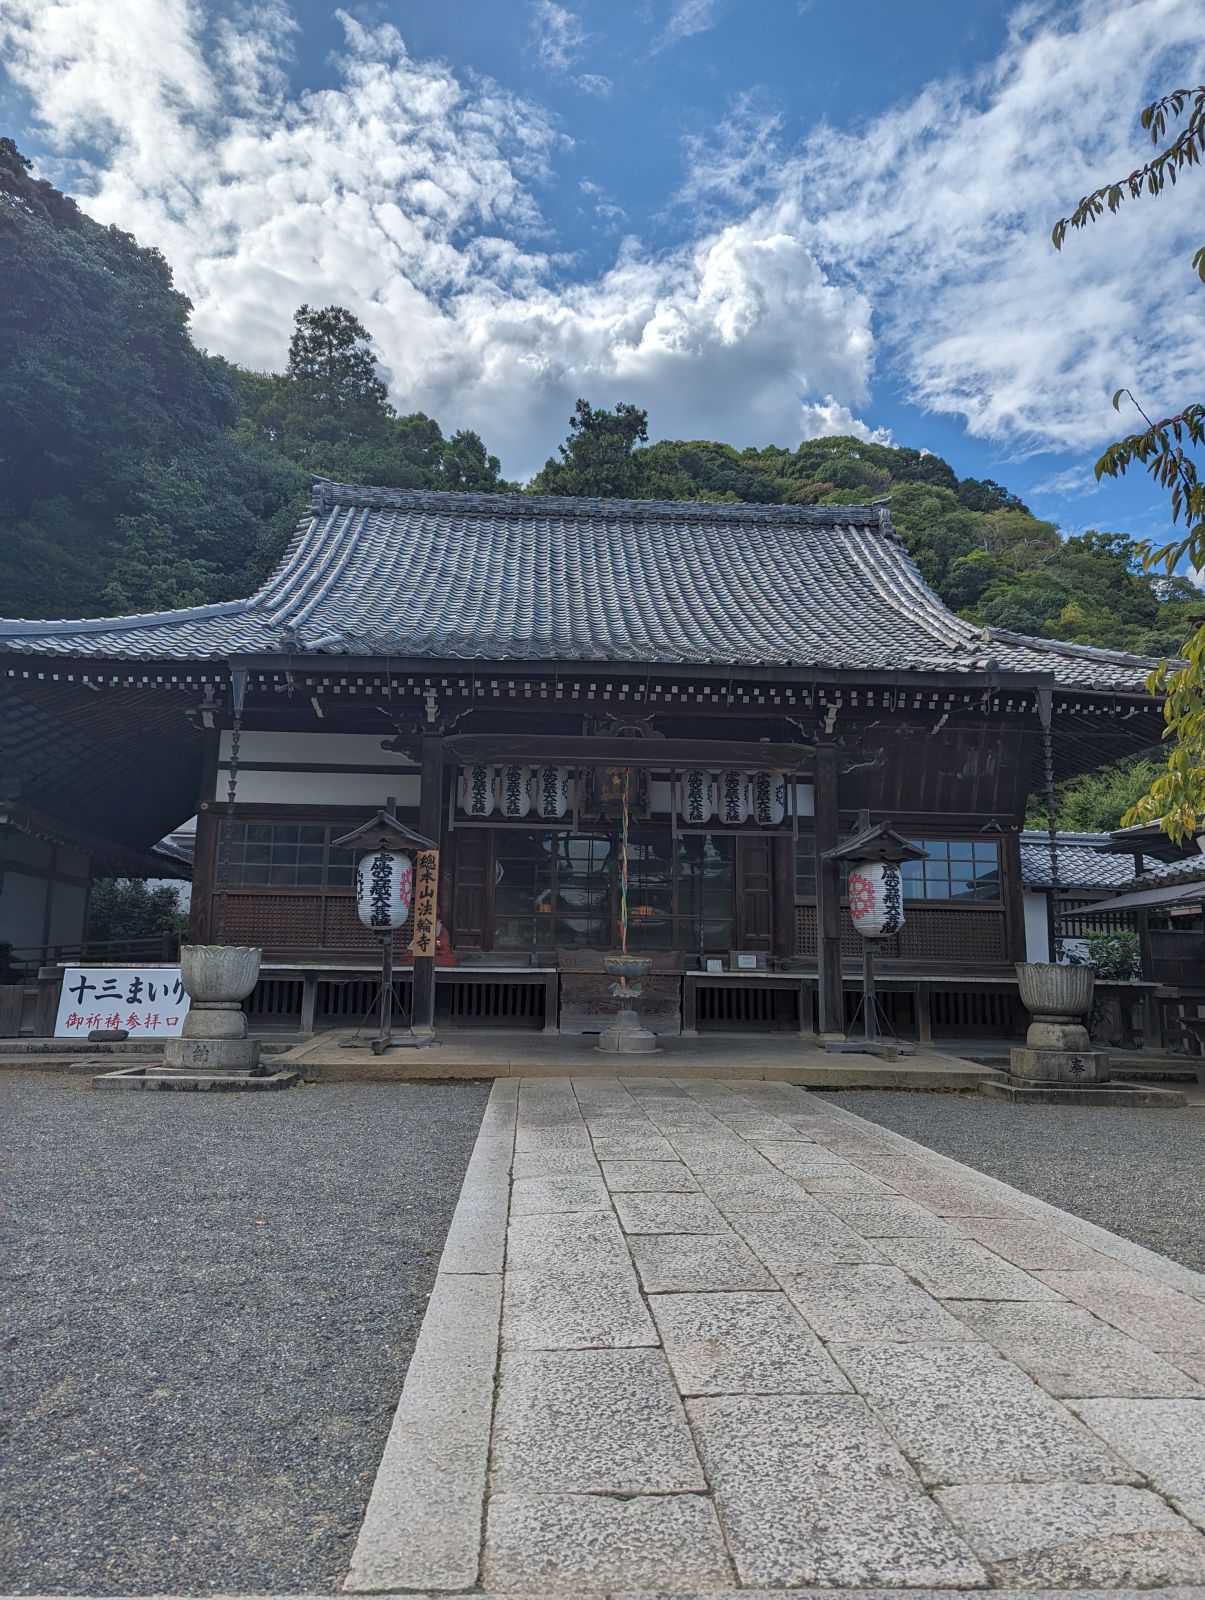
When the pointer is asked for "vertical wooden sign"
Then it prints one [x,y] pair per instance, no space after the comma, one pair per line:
[426,903]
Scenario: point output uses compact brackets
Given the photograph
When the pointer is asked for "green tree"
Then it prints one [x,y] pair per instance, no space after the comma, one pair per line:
[115,438]
[1096,802]
[597,458]
[128,908]
[1176,797]
[332,362]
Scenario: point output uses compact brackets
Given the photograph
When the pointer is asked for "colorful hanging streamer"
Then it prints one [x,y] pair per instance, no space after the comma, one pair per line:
[623,865]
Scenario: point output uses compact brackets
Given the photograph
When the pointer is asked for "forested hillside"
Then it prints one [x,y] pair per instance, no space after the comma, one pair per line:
[138,472]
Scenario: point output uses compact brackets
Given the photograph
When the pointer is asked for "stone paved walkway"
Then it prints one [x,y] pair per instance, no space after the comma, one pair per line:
[694,1336]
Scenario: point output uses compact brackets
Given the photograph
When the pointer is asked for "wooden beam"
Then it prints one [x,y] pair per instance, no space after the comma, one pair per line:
[579,750]
[828,891]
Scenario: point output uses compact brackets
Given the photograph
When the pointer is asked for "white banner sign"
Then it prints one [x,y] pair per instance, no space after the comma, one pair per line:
[149,1002]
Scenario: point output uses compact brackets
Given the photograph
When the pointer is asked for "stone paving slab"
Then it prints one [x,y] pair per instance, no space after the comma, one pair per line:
[1030,1244]
[669,1262]
[649,1177]
[556,1308]
[786,1240]
[1072,1353]
[960,1269]
[813,1490]
[572,1192]
[591,1421]
[755,1191]
[542,1544]
[667,1213]
[422,1525]
[1163,1438]
[963,1414]
[1151,1312]
[891,1217]
[742,1344]
[1072,1534]
[869,1302]
[873,1369]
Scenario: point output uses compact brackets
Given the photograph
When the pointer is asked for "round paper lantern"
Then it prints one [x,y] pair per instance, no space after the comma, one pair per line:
[477,791]
[384,881]
[696,796]
[734,798]
[552,792]
[769,798]
[876,898]
[514,792]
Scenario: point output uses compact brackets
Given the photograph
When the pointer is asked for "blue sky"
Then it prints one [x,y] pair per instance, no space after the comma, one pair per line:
[761,219]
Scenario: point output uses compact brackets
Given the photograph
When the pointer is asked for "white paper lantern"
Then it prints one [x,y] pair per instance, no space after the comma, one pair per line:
[384,883]
[876,898]
[514,786]
[696,796]
[769,798]
[477,791]
[552,792]
[734,798]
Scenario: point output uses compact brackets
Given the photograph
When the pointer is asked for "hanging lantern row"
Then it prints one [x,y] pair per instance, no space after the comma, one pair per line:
[733,797]
[514,792]
[384,884]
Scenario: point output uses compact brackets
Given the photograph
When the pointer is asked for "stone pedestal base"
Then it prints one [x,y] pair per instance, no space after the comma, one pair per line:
[176,1078]
[626,1037]
[1087,1094]
[1075,1068]
[1071,1077]
[214,1056]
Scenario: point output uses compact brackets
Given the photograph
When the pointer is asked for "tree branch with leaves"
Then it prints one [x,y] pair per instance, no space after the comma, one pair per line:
[1176,798]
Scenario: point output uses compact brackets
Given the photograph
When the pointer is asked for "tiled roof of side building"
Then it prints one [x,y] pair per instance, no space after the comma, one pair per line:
[443,576]
[1162,874]
[1081,864]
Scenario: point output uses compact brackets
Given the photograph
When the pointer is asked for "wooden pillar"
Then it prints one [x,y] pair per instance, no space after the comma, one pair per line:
[1152,1011]
[430,823]
[309,1001]
[783,885]
[828,892]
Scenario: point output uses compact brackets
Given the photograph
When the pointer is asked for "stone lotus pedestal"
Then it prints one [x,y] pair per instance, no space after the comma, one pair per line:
[217,979]
[1057,1065]
[625,1036]
[1057,1048]
[213,1051]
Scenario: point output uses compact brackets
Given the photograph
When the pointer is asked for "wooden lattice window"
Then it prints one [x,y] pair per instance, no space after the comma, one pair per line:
[290,855]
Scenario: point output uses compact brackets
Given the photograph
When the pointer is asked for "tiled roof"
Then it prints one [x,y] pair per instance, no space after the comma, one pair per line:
[1161,874]
[1081,864]
[418,574]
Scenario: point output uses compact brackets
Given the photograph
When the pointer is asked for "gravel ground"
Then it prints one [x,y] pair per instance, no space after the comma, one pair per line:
[216,1300]
[1137,1173]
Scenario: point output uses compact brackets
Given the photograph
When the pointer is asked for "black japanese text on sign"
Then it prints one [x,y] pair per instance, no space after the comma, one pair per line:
[426,899]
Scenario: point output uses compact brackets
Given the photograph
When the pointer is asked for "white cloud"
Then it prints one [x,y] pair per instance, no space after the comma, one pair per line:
[686,18]
[1071,483]
[594,83]
[558,34]
[940,210]
[409,195]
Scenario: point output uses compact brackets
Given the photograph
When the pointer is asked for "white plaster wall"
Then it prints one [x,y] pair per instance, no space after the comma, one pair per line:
[67,913]
[22,901]
[329,748]
[323,789]
[320,788]
[1037,929]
